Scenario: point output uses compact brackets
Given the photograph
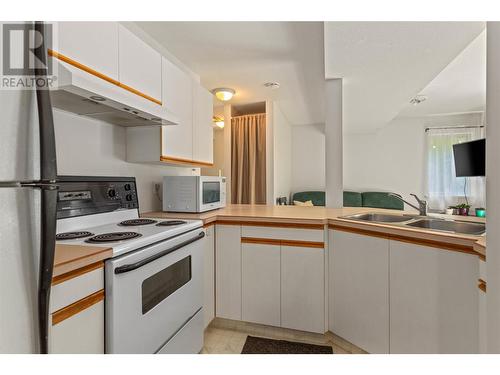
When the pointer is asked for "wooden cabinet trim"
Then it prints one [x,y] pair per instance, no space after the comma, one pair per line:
[276,242]
[176,160]
[272,224]
[481,284]
[75,273]
[76,307]
[95,73]
[416,241]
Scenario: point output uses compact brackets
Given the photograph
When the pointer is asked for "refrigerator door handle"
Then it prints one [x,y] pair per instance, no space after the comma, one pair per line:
[48,175]
[47,252]
[48,163]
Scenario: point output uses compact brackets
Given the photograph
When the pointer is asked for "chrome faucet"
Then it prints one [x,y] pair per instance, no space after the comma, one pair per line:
[422,205]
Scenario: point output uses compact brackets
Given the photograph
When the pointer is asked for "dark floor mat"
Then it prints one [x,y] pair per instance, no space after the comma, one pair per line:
[260,345]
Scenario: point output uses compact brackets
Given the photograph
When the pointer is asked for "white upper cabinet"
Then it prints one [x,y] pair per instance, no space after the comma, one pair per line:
[93,44]
[203,133]
[139,65]
[177,93]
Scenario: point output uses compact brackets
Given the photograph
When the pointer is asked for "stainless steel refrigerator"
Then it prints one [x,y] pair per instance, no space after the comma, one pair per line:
[28,194]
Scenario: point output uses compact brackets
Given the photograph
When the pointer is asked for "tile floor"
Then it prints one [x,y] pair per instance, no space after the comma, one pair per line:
[228,337]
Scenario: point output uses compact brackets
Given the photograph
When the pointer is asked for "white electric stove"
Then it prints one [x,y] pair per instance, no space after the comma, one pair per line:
[154,279]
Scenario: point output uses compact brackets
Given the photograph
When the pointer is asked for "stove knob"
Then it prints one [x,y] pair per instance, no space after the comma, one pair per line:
[129,197]
[127,187]
[111,193]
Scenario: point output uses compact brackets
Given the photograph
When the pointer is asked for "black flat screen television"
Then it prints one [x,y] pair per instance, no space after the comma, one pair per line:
[470,158]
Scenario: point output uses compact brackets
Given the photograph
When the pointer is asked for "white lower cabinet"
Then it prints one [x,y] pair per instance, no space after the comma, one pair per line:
[228,272]
[209,276]
[302,288]
[260,289]
[359,286]
[434,300]
[77,314]
[82,333]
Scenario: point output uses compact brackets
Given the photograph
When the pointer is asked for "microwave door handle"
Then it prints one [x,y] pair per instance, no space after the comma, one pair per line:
[133,266]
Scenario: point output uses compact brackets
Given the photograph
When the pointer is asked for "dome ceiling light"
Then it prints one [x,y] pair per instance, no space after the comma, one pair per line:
[223,93]
[218,121]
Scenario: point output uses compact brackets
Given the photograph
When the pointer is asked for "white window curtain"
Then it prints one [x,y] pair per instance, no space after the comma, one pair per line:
[443,187]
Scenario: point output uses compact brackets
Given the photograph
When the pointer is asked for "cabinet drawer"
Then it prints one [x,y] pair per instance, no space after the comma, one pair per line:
[77,288]
[294,234]
[82,333]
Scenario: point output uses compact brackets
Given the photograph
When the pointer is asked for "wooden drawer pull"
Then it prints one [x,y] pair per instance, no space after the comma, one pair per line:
[272,241]
[75,273]
[76,307]
[481,284]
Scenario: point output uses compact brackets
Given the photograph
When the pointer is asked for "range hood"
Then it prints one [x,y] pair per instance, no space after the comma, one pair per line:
[77,91]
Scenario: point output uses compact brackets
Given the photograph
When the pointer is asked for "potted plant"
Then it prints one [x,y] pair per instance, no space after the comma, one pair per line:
[463,209]
[451,210]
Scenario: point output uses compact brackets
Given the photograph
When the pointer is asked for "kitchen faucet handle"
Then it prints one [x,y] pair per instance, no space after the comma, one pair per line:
[420,201]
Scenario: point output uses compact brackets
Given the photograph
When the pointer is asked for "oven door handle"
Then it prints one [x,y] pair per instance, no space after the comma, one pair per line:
[134,266]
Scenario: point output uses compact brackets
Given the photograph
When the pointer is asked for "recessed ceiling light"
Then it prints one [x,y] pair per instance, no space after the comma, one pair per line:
[223,93]
[417,99]
[272,85]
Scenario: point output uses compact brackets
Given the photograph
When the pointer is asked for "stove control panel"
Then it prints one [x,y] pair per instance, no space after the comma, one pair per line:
[80,195]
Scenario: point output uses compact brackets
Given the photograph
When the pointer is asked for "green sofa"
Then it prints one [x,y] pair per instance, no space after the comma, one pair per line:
[375,199]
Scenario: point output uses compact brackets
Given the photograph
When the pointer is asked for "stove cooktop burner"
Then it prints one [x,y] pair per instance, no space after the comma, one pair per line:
[168,223]
[114,236]
[135,222]
[73,235]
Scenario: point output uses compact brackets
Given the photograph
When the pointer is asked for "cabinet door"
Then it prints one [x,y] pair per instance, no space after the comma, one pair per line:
[203,131]
[303,288]
[209,276]
[140,65]
[82,333]
[359,276]
[228,271]
[434,300]
[177,95]
[93,44]
[260,283]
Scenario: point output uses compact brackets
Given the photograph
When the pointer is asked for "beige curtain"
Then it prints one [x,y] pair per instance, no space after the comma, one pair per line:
[248,159]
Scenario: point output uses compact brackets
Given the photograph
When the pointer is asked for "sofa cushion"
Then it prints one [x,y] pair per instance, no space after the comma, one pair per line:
[317,197]
[352,199]
[379,199]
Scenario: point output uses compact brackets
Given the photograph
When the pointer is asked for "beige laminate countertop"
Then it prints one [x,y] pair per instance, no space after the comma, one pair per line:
[70,258]
[333,217]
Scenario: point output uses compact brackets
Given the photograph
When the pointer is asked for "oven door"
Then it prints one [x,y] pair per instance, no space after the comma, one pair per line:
[212,193]
[151,293]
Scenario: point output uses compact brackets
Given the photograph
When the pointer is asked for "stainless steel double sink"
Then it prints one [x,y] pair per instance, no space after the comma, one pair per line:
[424,222]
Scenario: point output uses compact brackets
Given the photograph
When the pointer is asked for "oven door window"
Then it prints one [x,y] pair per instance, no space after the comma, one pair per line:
[211,192]
[162,284]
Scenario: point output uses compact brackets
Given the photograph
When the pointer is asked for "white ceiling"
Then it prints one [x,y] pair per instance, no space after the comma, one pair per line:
[245,55]
[460,87]
[385,64]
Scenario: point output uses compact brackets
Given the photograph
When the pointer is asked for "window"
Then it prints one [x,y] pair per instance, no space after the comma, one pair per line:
[443,187]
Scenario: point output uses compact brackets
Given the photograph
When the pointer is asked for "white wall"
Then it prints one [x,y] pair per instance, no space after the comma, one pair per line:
[334,143]
[308,157]
[393,158]
[282,151]
[89,147]
[493,185]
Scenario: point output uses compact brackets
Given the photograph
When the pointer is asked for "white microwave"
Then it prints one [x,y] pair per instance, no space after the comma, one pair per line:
[193,193]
